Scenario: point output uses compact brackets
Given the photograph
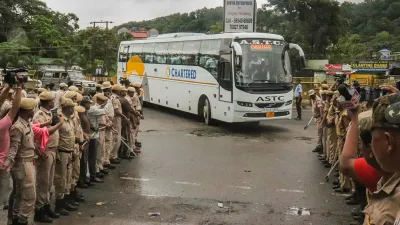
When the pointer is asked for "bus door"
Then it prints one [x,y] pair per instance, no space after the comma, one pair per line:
[225,78]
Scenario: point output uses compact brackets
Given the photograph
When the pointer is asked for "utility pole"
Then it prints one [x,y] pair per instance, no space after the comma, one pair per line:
[106,47]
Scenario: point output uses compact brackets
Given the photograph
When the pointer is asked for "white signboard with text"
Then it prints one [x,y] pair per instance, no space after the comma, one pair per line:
[240,16]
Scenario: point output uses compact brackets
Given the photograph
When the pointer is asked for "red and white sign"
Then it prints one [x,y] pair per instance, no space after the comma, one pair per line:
[333,67]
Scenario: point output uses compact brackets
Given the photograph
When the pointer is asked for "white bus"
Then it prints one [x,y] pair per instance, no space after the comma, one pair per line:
[231,77]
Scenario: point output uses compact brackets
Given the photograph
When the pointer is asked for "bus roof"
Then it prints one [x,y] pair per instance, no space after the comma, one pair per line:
[207,37]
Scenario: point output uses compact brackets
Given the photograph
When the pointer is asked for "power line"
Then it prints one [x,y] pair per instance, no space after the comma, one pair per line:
[105,49]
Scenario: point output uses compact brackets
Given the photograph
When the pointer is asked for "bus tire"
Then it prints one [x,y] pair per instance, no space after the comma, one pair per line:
[205,110]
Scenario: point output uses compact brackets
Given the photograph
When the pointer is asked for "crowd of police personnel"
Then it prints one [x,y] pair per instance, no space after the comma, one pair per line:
[64,138]
[365,143]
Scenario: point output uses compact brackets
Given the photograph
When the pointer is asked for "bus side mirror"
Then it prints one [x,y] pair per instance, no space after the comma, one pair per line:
[237,49]
[301,53]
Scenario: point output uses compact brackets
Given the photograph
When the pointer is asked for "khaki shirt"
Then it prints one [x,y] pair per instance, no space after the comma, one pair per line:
[136,103]
[317,105]
[67,135]
[22,144]
[5,108]
[42,116]
[78,126]
[341,126]
[116,103]
[384,205]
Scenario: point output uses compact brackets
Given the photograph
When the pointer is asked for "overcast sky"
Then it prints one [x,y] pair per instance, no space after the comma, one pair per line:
[122,11]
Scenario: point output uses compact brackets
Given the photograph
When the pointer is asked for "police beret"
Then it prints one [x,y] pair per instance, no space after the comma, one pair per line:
[41,90]
[47,96]
[324,86]
[70,94]
[63,85]
[136,84]
[336,92]
[73,88]
[79,109]
[386,112]
[116,87]
[27,103]
[79,97]
[106,85]
[101,96]
[131,89]
[66,102]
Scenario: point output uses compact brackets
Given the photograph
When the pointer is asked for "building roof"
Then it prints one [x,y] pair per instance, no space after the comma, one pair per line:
[139,34]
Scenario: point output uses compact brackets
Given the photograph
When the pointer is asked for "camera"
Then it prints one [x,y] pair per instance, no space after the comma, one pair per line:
[12,76]
[55,118]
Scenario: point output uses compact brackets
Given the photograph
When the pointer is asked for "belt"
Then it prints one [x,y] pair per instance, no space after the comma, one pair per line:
[64,151]
[24,159]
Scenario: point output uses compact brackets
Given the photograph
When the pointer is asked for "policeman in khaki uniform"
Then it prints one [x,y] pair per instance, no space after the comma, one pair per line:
[45,165]
[110,113]
[317,108]
[21,157]
[137,105]
[118,116]
[99,115]
[133,120]
[384,204]
[342,123]
[63,173]
[328,128]
[324,104]
[60,94]
[331,131]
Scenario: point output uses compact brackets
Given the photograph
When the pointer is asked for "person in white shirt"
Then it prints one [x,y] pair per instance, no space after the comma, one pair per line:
[297,94]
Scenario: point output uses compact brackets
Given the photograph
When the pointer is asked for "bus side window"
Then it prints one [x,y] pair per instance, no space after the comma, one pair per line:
[56,75]
[210,63]
[189,60]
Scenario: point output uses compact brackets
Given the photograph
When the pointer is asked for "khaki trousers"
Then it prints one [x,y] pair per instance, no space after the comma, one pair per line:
[76,166]
[320,133]
[332,143]
[344,181]
[45,169]
[324,137]
[23,174]
[63,174]
[116,138]
[100,149]
[108,145]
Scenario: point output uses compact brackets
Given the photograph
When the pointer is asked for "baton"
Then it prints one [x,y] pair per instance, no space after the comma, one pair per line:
[309,122]
[122,140]
[331,170]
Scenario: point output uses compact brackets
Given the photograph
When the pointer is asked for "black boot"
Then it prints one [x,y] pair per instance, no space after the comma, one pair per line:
[16,222]
[69,204]
[318,150]
[41,217]
[60,208]
[76,196]
[50,213]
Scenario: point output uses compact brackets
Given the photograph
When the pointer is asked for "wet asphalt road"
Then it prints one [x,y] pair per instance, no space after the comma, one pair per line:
[262,174]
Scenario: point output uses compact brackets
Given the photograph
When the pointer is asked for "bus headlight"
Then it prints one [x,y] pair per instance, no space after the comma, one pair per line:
[245,104]
[288,102]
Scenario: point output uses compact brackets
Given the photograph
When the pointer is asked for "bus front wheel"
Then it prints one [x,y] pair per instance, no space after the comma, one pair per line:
[207,112]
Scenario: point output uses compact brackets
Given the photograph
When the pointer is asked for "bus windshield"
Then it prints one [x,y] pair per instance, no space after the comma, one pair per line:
[263,61]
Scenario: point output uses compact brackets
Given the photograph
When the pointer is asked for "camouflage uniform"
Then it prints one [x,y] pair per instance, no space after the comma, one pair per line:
[341,131]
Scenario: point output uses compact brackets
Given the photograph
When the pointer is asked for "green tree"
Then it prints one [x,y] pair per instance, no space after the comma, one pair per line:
[217,28]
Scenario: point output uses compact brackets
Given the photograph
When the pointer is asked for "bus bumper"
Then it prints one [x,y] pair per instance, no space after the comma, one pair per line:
[261,116]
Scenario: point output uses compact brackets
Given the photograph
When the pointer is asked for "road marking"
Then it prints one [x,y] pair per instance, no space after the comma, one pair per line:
[293,191]
[133,178]
[295,211]
[186,183]
[241,187]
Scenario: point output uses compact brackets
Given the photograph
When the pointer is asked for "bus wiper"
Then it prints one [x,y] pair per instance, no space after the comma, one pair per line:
[264,81]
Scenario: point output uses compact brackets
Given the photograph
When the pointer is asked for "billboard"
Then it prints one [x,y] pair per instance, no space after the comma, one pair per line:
[370,66]
[240,16]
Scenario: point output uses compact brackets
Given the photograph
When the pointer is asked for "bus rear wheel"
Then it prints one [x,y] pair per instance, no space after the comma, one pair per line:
[207,112]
